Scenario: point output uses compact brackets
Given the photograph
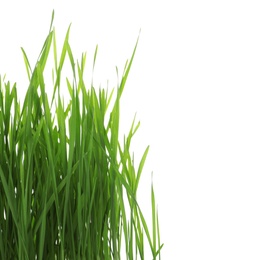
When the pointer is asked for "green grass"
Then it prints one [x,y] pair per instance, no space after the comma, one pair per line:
[67,185]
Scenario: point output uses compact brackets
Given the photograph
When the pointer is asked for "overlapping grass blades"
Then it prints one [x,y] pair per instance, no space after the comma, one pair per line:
[64,176]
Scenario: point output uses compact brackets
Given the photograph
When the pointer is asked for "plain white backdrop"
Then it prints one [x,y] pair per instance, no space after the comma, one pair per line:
[193,87]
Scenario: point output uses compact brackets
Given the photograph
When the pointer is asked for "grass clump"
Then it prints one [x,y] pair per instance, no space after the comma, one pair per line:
[64,176]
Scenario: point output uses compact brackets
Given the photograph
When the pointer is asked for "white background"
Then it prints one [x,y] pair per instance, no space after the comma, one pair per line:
[193,87]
